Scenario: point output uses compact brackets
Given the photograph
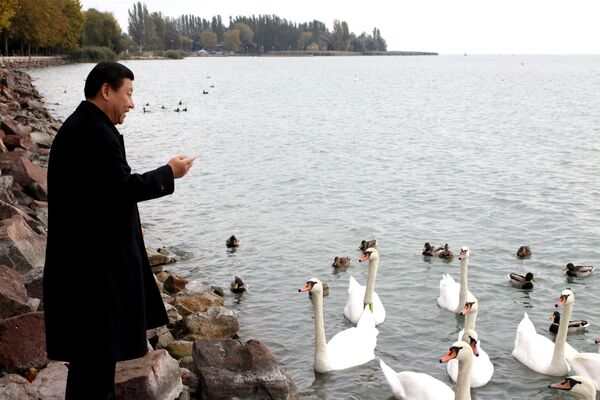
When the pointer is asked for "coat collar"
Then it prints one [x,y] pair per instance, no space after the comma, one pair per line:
[90,108]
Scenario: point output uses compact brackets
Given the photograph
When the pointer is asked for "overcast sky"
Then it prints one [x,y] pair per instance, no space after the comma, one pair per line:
[444,26]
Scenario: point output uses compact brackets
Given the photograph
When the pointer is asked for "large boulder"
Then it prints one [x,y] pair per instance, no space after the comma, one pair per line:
[152,377]
[15,387]
[30,176]
[23,342]
[51,382]
[216,322]
[229,369]
[13,294]
[189,303]
[21,248]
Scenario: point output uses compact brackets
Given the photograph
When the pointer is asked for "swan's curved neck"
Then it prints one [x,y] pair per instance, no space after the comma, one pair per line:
[373,267]
[463,382]
[558,357]
[471,318]
[320,341]
[462,294]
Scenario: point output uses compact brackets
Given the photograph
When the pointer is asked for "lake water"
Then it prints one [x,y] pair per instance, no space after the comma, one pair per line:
[302,158]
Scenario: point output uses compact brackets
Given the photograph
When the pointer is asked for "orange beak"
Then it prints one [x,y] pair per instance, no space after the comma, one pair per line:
[305,288]
[450,356]
[364,257]
[561,301]
[564,385]
[466,309]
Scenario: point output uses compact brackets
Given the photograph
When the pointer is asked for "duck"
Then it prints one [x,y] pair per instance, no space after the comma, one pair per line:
[177,109]
[483,369]
[360,296]
[524,252]
[453,295]
[431,251]
[232,242]
[446,254]
[365,244]
[341,262]
[184,109]
[580,271]
[238,285]
[539,353]
[348,348]
[204,92]
[579,386]
[574,325]
[520,281]
[409,385]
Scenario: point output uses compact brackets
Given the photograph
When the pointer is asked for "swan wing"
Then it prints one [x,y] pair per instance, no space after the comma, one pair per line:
[354,304]
[449,291]
[408,385]
[353,346]
[482,371]
[532,349]
[588,365]
[378,309]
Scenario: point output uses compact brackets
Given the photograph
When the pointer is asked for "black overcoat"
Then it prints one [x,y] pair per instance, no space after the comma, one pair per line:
[99,293]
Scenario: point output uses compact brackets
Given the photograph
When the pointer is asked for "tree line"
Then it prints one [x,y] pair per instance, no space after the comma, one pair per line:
[60,26]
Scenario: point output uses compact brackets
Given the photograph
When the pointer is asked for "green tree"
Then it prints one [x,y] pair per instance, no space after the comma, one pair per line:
[208,40]
[69,34]
[101,29]
[246,34]
[8,9]
[138,24]
[231,40]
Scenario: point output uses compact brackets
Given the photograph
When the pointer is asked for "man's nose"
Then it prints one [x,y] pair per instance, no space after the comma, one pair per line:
[131,105]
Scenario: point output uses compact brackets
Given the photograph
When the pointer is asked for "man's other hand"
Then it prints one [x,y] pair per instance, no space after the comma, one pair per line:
[180,165]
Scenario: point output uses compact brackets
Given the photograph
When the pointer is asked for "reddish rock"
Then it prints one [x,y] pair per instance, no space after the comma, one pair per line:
[35,290]
[29,175]
[23,342]
[13,295]
[21,248]
[174,284]
[152,377]
[228,369]
[10,127]
[25,142]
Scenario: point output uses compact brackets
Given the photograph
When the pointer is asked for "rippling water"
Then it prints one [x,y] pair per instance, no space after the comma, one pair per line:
[302,158]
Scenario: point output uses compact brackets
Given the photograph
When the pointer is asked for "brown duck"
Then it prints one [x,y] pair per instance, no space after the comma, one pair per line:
[341,262]
[524,252]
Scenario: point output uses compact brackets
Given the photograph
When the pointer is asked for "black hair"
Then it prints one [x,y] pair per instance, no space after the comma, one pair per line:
[109,72]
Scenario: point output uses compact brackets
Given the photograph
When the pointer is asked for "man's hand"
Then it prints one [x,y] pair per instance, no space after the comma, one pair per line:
[180,165]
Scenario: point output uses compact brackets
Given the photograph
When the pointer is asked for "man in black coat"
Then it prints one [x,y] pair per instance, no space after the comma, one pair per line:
[100,296]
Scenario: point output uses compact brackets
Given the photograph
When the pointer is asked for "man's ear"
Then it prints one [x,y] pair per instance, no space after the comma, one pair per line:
[104,91]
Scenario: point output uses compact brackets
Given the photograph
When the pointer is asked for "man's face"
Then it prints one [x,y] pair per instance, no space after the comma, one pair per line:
[120,101]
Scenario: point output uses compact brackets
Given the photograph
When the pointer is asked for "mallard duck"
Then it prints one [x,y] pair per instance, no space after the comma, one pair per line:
[580,271]
[232,242]
[238,285]
[446,254]
[522,282]
[365,244]
[431,251]
[524,252]
[341,262]
[574,325]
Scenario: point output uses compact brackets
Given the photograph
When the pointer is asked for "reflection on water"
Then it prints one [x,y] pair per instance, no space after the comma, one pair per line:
[303,162]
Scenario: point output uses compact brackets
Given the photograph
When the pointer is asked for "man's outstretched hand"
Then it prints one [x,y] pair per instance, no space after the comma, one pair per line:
[180,165]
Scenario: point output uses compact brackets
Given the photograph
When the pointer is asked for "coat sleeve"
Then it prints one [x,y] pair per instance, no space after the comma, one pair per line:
[116,177]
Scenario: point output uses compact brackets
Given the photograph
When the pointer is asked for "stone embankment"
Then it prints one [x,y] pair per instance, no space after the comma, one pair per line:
[197,355]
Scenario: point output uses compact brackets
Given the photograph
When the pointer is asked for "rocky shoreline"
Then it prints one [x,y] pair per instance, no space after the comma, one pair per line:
[198,355]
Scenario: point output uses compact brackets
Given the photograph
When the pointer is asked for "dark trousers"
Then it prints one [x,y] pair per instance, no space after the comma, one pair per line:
[91,379]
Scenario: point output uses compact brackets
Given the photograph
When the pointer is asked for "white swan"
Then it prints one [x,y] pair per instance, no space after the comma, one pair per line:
[588,365]
[538,352]
[348,348]
[408,385]
[483,369]
[360,296]
[579,386]
[453,295]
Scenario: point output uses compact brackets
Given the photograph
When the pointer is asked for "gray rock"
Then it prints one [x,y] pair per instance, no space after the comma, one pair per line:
[21,248]
[13,294]
[228,369]
[15,387]
[172,314]
[50,383]
[152,377]
[216,322]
